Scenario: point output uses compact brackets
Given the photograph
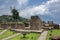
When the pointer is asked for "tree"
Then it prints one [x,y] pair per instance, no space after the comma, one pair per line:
[15,14]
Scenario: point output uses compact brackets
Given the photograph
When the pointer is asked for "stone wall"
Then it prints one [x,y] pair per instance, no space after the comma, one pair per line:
[13,26]
[35,23]
[4,26]
[20,26]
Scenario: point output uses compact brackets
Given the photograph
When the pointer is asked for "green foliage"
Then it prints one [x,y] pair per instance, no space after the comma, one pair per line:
[15,17]
[15,13]
[8,18]
[1,30]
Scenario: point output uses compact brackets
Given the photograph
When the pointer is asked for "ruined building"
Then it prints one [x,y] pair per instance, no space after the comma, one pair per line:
[35,23]
[12,25]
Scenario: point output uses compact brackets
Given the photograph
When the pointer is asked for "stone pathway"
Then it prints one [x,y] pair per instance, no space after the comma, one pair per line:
[43,35]
[7,38]
[3,32]
[28,30]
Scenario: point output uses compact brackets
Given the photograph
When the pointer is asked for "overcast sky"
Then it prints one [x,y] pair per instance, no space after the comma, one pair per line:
[45,9]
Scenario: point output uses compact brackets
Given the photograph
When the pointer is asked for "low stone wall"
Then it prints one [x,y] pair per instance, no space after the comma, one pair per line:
[20,26]
[4,26]
[12,26]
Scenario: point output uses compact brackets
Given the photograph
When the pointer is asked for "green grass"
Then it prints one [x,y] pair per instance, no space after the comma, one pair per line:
[1,30]
[56,32]
[8,33]
[28,37]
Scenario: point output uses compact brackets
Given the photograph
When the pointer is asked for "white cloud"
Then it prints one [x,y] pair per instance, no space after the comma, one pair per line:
[36,10]
[51,8]
[22,2]
[5,7]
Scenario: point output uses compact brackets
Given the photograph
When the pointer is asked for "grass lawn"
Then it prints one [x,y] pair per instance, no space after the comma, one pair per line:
[1,30]
[55,32]
[28,37]
[8,33]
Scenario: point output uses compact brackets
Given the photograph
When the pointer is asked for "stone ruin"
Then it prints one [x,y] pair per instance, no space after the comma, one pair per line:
[35,23]
[12,25]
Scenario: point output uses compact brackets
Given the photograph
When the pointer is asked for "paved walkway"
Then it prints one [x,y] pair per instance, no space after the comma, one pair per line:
[7,38]
[43,35]
[20,30]
[3,32]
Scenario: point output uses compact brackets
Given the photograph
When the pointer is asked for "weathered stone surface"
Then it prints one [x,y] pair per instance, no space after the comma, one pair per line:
[35,23]
[13,26]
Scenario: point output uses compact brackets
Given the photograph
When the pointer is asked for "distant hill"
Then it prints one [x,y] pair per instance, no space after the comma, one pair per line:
[9,18]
